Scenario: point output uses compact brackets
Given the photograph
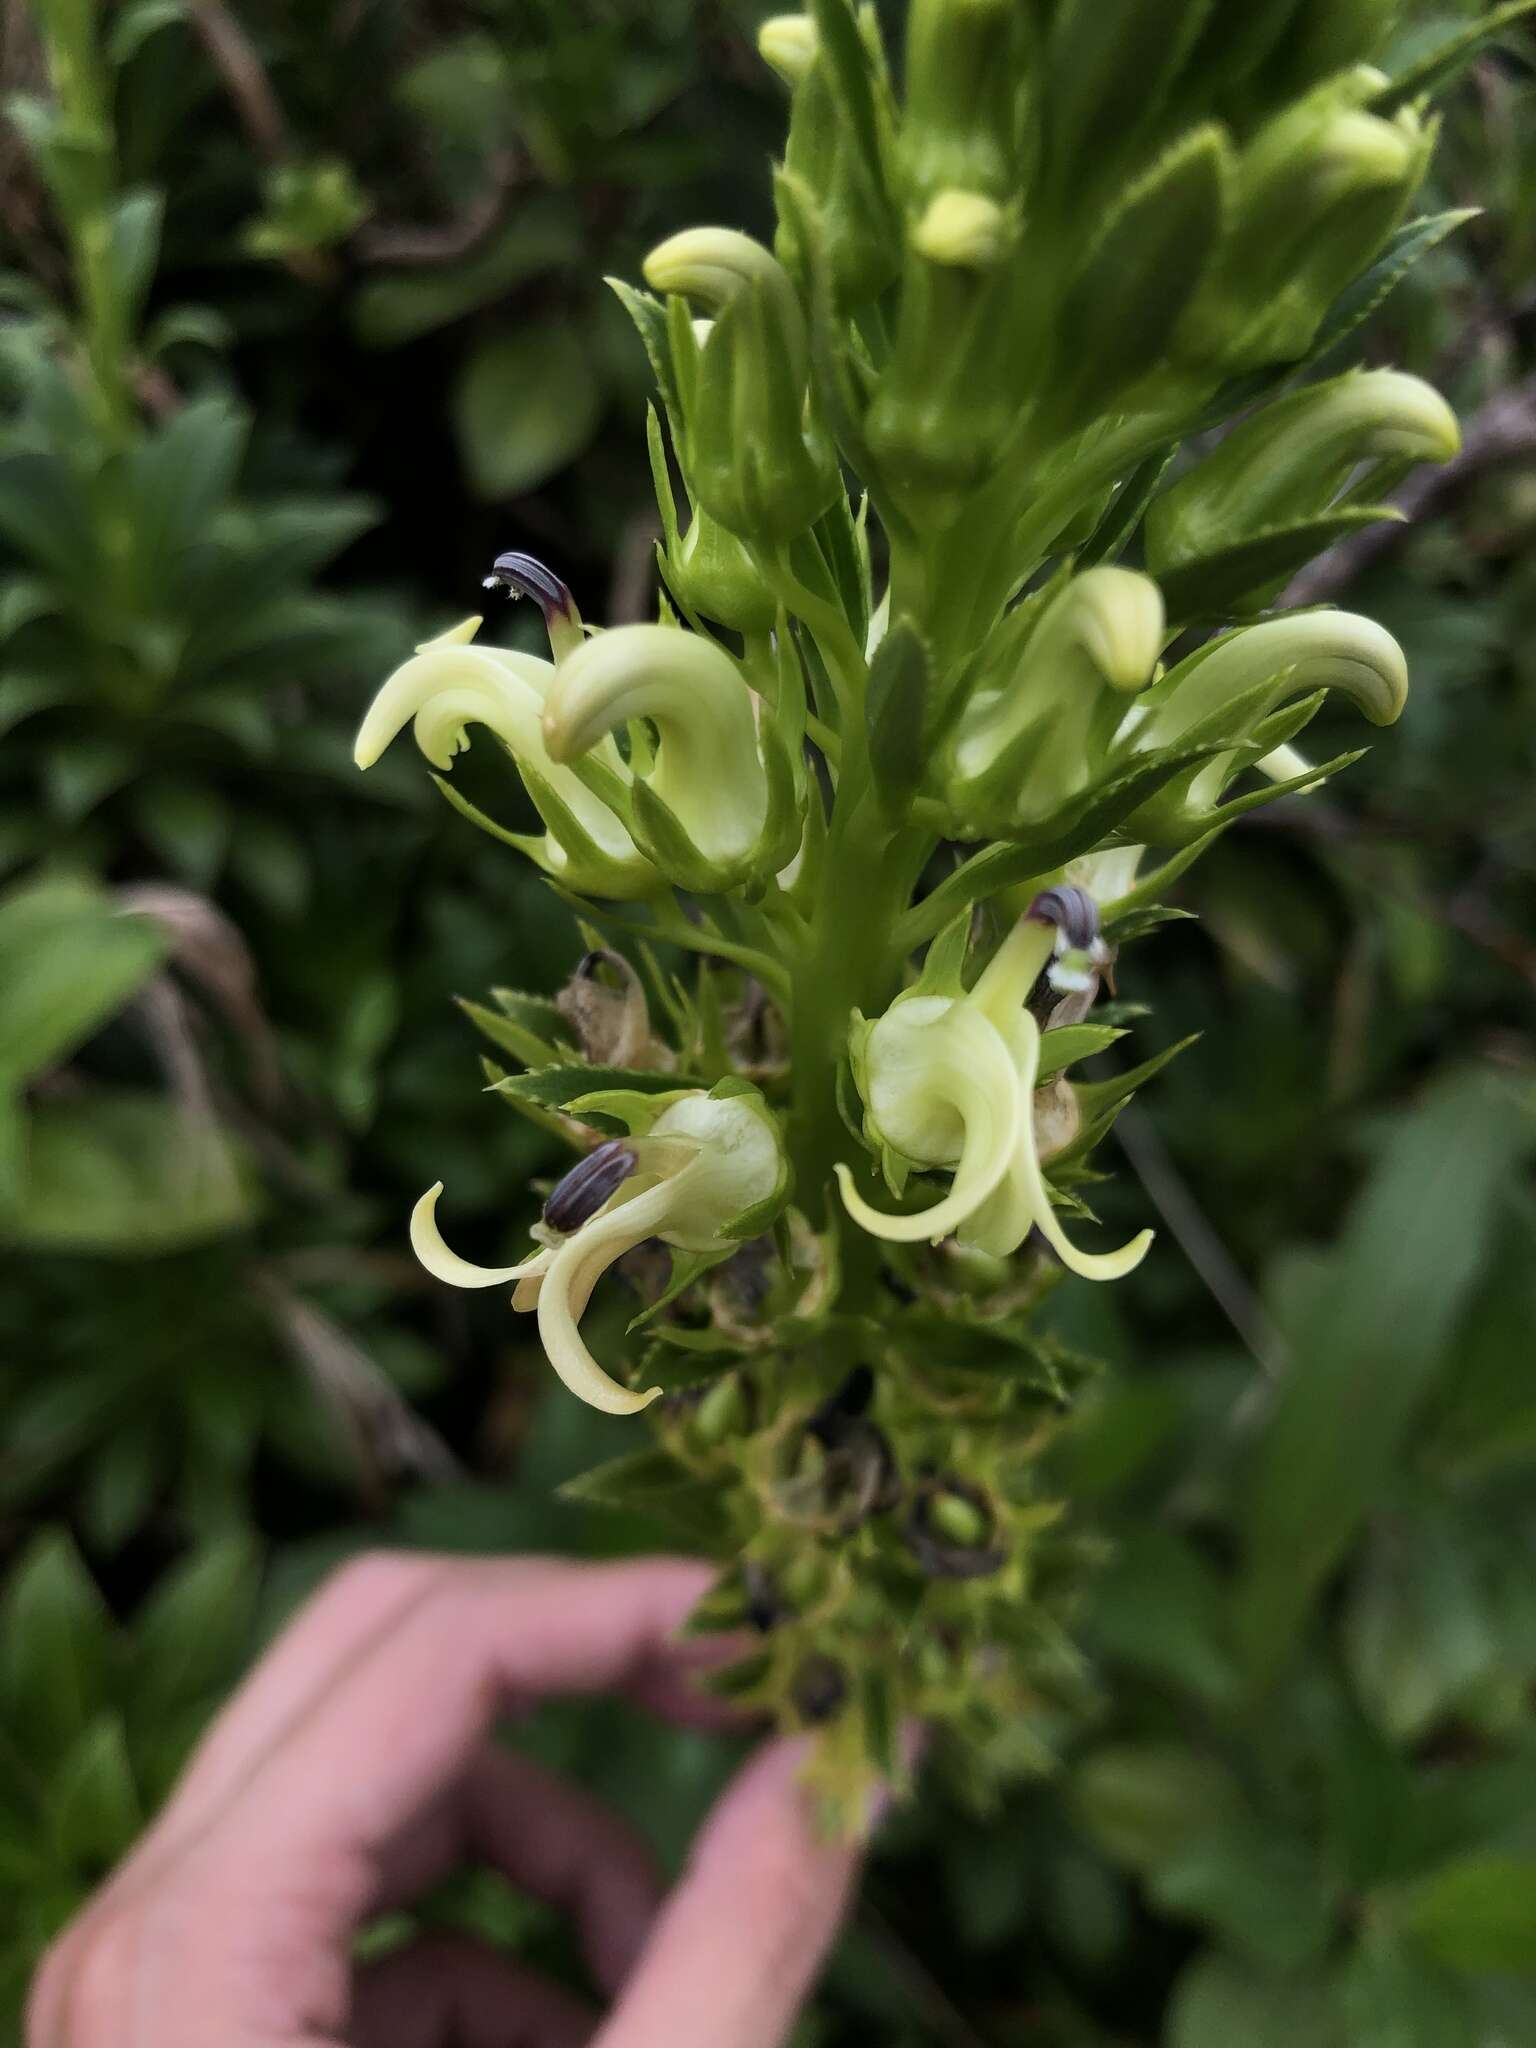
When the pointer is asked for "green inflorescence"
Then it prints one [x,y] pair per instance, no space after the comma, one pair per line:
[967,645]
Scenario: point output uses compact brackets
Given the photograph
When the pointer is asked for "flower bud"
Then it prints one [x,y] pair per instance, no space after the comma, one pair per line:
[961,124]
[1289,461]
[1033,734]
[1224,690]
[754,457]
[1299,652]
[448,686]
[828,161]
[707,782]
[957,380]
[1317,193]
[711,573]
[789,43]
[706,1164]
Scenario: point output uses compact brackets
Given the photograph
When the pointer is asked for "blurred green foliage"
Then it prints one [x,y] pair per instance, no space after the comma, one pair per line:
[1305,1809]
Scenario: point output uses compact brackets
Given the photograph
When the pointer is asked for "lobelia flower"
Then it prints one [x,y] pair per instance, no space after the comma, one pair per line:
[1291,460]
[700,1172]
[1225,691]
[1046,707]
[948,1080]
[753,451]
[702,805]
[448,685]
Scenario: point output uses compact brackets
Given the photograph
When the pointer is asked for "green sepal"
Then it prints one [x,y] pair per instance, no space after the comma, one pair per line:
[1121,310]
[1112,65]
[687,1267]
[1102,1101]
[654,1484]
[840,119]
[1073,1042]
[1247,572]
[586,869]
[844,401]
[661,838]
[848,57]
[756,457]
[1358,301]
[1152,886]
[559,1087]
[943,968]
[1437,67]
[781,741]
[535,1113]
[1092,820]
[1110,537]
[1137,924]
[513,1035]
[1226,734]
[650,318]
[634,1110]
[895,713]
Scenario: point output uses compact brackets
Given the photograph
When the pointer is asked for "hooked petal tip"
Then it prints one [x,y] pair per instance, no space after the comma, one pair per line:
[446,1265]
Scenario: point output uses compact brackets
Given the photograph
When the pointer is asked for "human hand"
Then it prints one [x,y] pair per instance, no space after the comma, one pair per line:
[357,1766]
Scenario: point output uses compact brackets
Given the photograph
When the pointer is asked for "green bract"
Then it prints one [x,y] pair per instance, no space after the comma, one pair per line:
[953,631]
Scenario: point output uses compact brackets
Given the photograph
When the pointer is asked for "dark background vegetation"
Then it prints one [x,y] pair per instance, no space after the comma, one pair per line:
[374,348]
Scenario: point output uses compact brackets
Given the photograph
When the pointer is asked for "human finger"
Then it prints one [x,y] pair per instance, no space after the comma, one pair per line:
[552,1840]
[446,1991]
[739,1942]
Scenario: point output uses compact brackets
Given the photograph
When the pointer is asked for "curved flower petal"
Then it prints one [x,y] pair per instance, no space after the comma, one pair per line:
[448,685]
[446,1265]
[708,770]
[967,1069]
[1023,1198]
[566,1288]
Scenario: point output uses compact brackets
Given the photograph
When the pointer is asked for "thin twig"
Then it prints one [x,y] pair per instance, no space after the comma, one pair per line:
[233,56]
[631,591]
[407,242]
[942,2020]
[1466,913]
[1195,1235]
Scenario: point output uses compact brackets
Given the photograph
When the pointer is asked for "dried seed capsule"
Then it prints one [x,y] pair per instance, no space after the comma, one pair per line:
[765,1605]
[951,1531]
[588,1185]
[724,1411]
[819,1690]
[830,1423]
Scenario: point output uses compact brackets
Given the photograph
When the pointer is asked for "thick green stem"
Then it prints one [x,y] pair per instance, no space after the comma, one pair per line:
[848,962]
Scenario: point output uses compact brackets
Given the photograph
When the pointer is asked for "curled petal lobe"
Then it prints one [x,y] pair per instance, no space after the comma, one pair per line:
[945,1092]
[1299,652]
[446,1265]
[708,770]
[566,1288]
[1023,1200]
